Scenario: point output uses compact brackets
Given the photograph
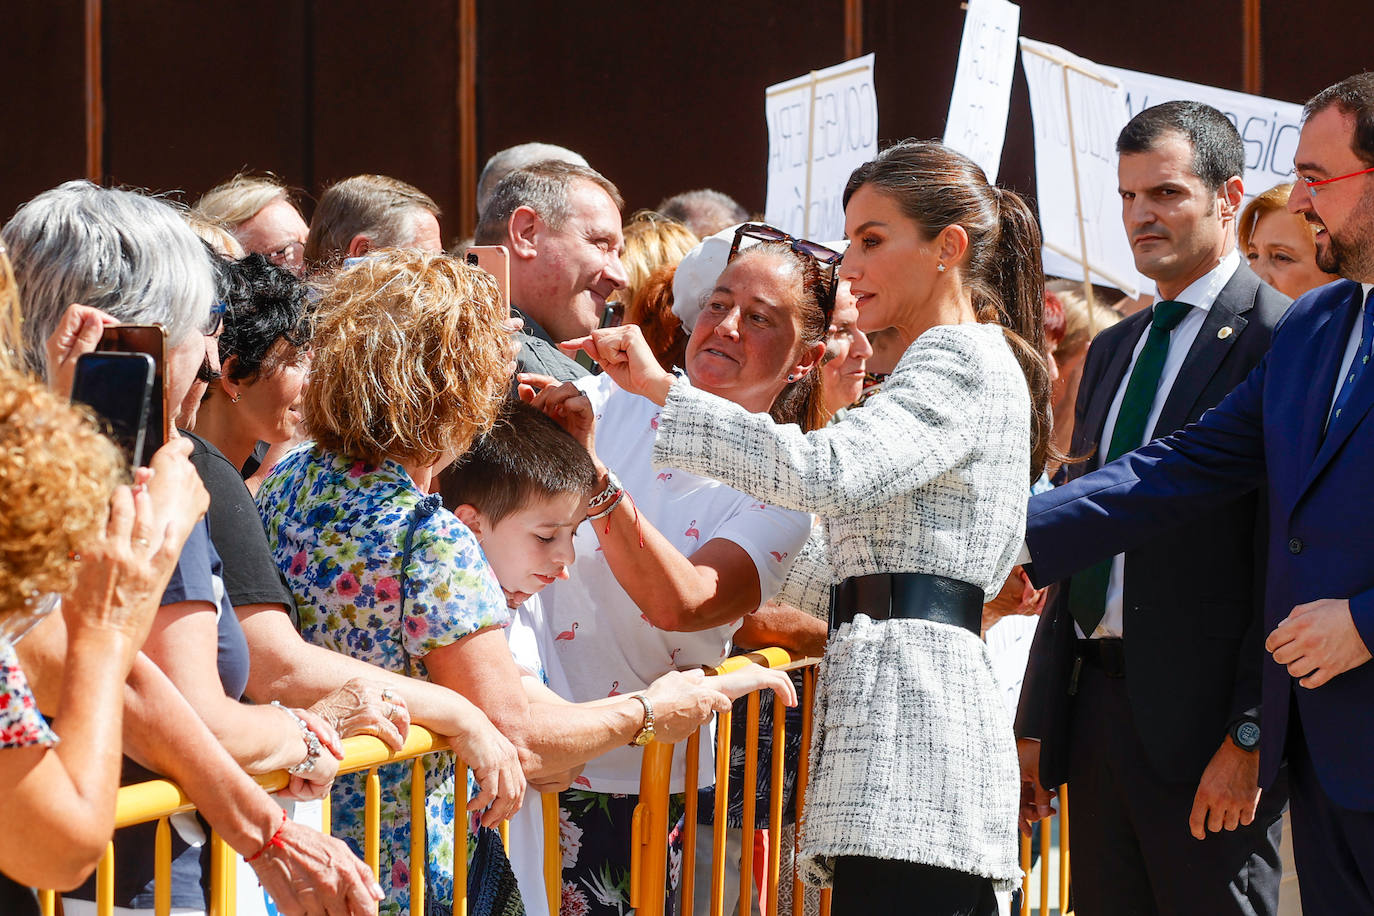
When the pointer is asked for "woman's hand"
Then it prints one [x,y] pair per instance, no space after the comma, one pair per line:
[684,701]
[122,574]
[565,403]
[366,707]
[751,677]
[557,782]
[627,359]
[1017,597]
[316,781]
[496,766]
[77,332]
[310,874]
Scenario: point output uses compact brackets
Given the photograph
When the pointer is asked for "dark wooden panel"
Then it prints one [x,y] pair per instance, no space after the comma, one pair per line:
[659,97]
[385,83]
[194,92]
[1310,45]
[42,115]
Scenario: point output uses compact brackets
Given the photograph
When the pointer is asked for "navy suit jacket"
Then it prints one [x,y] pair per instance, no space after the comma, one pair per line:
[1192,595]
[1320,490]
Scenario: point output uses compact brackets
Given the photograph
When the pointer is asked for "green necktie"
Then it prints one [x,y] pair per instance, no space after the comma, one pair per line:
[1088,589]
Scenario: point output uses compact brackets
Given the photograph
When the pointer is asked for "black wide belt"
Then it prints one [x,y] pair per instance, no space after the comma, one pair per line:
[912,596]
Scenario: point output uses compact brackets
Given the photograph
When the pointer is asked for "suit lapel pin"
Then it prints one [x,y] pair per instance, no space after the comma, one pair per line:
[1224,333]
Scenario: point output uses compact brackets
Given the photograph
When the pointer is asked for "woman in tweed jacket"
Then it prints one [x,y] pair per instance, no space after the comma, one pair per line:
[913,801]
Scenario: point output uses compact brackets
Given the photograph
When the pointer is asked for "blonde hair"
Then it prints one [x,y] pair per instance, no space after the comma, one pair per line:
[411,358]
[1083,317]
[1274,199]
[56,476]
[241,198]
[215,234]
[652,241]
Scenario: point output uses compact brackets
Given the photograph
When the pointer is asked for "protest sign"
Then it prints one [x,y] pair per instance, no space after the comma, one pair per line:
[1076,111]
[820,128]
[977,122]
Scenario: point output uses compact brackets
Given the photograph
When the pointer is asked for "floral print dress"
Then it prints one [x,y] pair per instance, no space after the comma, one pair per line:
[336,528]
[21,724]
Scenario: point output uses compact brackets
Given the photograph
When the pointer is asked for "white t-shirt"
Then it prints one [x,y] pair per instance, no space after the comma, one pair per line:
[531,647]
[605,644]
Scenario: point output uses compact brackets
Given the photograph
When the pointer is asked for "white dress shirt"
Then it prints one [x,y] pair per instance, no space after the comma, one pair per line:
[1352,345]
[1200,294]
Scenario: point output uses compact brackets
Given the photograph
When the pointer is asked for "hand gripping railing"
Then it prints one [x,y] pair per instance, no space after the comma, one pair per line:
[160,799]
[648,866]
[650,827]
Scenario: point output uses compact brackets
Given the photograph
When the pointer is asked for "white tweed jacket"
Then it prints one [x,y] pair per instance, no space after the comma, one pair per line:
[913,756]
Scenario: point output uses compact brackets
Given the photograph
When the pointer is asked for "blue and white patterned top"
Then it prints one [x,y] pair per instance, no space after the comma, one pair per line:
[336,528]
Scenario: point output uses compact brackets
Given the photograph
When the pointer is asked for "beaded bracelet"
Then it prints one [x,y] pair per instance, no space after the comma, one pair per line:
[274,840]
[313,747]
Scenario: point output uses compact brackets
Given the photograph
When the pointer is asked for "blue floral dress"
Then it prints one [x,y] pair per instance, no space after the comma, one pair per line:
[336,528]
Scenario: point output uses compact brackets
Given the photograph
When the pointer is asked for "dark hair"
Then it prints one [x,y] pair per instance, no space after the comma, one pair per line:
[936,187]
[526,456]
[543,187]
[1218,153]
[1354,96]
[264,304]
[802,401]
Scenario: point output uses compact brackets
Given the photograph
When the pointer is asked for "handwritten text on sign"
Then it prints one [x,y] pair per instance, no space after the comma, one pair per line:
[977,122]
[820,128]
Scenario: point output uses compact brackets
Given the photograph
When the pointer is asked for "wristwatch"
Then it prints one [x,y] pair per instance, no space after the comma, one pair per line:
[1245,731]
[645,734]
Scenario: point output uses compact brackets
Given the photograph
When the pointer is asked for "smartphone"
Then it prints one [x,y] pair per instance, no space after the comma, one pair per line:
[149,339]
[119,388]
[495,260]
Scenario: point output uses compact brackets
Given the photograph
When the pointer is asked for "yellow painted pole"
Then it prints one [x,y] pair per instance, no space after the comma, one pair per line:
[553,851]
[419,835]
[460,838]
[689,829]
[649,831]
[162,868]
[803,773]
[372,823]
[775,806]
[750,799]
[104,883]
[723,723]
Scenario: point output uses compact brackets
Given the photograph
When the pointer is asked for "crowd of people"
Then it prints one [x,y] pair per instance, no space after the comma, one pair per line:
[1038,540]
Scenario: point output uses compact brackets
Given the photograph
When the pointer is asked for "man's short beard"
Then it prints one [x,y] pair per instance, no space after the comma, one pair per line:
[1352,257]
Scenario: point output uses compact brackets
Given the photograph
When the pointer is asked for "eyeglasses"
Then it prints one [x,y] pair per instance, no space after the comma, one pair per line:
[289,255]
[217,310]
[1318,182]
[826,257]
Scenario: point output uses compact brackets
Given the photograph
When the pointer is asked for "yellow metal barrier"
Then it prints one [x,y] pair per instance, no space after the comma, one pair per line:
[1047,902]
[650,826]
[159,799]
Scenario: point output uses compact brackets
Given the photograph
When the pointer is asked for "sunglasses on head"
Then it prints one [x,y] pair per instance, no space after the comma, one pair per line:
[825,257]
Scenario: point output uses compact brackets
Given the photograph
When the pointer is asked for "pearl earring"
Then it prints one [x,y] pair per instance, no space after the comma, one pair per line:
[940,268]
[791,378]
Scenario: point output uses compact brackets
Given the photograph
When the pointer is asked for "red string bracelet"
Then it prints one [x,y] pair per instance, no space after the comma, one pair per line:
[274,840]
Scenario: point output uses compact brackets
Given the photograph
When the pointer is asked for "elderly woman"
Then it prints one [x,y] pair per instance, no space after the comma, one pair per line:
[1280,245]
[846,355]
[380,571]
[668,562]
[131,258]
[914,794]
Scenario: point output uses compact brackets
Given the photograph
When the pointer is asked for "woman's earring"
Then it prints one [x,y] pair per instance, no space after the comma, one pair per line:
[940,268]
[791,378]
[234,399]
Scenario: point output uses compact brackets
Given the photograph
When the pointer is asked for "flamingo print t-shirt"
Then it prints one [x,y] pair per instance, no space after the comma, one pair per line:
[603,642]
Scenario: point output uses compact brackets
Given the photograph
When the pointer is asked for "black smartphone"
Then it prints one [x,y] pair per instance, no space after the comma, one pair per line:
[119,388]
[152,340]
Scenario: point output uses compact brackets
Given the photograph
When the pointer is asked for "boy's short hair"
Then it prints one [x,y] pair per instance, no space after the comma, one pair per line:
[526,456]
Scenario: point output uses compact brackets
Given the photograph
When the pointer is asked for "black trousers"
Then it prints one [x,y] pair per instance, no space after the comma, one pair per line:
[1132,851]
[867,887]
[1333,846]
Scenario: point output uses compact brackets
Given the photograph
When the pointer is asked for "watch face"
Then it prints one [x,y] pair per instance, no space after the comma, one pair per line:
[1247,735]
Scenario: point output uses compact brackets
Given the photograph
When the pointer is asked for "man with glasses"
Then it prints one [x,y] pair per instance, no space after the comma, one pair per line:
[1302,427]
[259,212]
[560,222]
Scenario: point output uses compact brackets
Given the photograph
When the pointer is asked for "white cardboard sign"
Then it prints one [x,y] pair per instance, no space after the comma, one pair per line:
[977,122]
[820,128]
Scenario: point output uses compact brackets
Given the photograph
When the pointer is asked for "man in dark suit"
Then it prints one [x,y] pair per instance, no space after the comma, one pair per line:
[1301,426]
[1145,666]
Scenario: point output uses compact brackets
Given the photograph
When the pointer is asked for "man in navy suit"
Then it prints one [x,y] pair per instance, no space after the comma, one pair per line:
[1301,427]
[1142,670]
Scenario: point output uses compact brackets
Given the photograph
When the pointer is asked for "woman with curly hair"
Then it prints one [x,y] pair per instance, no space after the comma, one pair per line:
[71,534]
